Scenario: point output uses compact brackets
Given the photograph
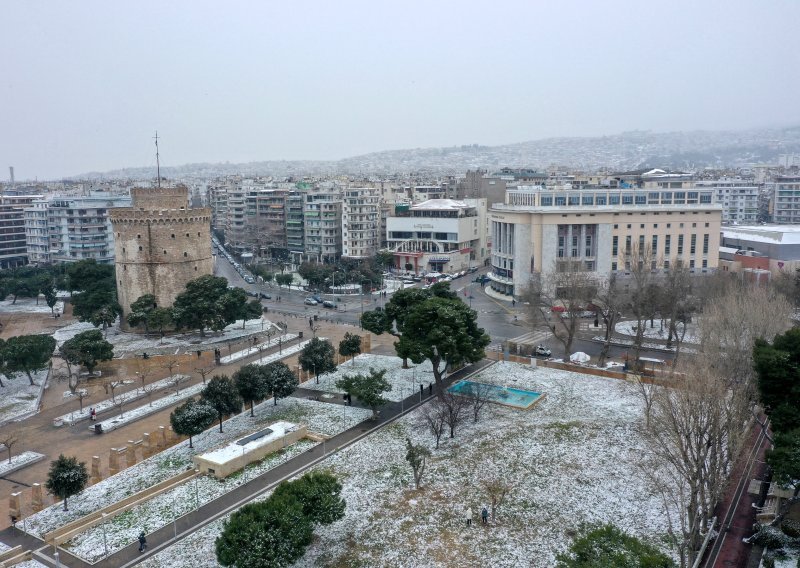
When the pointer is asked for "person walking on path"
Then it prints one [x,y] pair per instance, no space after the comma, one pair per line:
[142,542]
[468,511]
[485,516]
[93,414]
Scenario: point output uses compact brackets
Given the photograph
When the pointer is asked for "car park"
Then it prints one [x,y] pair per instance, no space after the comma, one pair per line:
[310,302]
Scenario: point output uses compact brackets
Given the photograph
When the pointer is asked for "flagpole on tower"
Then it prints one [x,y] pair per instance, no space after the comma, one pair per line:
[158,162]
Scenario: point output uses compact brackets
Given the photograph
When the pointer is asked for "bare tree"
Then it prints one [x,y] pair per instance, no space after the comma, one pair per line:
[148,391]
[81,394]
[204,372]
[456,408]
[497,491]
[417,457]
[121,401]
[176,381]
[143,373]
[608,304]
[170,365]
[642,299]
[480,394]
[112,385]
[8,441]
[570,289]
[434,416]
[676,302]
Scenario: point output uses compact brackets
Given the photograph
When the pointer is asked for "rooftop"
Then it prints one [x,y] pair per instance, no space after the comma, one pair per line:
[440,204]
[777,234]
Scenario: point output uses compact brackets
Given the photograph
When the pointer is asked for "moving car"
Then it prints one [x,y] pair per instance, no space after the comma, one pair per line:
[310,302]
[542,351]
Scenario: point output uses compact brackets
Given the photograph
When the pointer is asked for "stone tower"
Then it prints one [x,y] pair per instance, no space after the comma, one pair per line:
[160,245]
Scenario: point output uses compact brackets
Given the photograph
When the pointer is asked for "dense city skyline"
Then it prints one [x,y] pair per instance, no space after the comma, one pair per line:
[86,86]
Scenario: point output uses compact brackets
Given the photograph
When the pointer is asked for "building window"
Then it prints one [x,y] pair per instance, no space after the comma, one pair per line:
[691,264]
[641,226]
[615,246]
[140,248]
[628,244]
[706,225]
[165,252]
[705,263]
[614,266]
[669,225]
[185,254]
[693,244]
[667,243]
[641,245]
[680,244]
[138,236]
[629,226]
[705,243]
[616,226]
[655,244]
[173,235]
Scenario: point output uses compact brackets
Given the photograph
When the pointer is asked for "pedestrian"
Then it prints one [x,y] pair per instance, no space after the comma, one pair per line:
[13,521]
[485,516]
[93,414]
[142,542]
[421,390]
[468,511]
[513,302]
[310,323]
[199,353]
[430,389]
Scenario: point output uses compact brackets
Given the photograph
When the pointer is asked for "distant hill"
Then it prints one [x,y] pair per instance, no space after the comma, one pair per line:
[628,150]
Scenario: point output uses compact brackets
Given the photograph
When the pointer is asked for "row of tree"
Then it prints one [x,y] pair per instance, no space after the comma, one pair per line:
[206,303]
[320,275]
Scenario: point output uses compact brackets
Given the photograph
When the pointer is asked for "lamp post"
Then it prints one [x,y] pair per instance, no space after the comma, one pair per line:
[316,376]
[105,538]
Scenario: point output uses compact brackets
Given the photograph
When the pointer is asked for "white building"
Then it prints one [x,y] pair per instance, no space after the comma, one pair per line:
[360,222]
[438,235]
[738,197]
[70,228]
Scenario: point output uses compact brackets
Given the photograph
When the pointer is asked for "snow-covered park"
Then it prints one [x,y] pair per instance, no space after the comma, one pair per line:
[405,382]
[126,343]
[320,418]
[18,398]
[29,306]
[574,458]
[659,331]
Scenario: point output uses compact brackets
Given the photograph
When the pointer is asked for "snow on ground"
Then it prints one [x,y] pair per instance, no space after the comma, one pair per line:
[405,382]
[28,306]
[320,417]
[280,354]
[573,458]
[126,343]
[139,412]
[657,331]
[18,461]
[18,398]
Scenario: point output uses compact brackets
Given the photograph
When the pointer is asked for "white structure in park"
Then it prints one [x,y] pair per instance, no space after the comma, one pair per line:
[222,462]
[438,235]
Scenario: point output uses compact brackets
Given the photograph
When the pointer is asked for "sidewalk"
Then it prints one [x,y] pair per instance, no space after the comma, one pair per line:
[187,524]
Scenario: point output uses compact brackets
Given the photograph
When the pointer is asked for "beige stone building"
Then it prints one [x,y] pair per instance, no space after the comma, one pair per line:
[536,231]
[160,244]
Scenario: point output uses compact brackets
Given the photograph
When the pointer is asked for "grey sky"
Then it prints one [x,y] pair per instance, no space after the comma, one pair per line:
[85,84]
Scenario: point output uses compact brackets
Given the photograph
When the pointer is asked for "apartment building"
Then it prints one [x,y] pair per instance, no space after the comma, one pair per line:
[13,246]
[536,231]
[438,235]
[71,228]
[738,197]
[322,217]
[360,222]
[785,203]
[295,232]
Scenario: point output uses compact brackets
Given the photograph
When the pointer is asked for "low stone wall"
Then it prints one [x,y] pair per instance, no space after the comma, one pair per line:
[496,356]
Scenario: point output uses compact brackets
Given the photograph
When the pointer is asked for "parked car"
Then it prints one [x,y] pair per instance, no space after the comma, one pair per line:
[316,298]
[249,279]
[265,296]
[542,351]
[251,293]
[310,302]
[328,304]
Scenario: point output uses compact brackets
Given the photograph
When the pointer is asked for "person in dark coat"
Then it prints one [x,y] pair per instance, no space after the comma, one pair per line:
[142,542]
[485,516]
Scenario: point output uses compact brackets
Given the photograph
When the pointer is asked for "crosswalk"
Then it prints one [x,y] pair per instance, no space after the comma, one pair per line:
[532,338]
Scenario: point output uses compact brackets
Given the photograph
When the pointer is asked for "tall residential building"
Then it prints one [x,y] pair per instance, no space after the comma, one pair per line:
[295,232]
[438,235]
[786,199]
[738,197]
[72,228]
[322,216]
[13,245]
[360,222]
[536,231]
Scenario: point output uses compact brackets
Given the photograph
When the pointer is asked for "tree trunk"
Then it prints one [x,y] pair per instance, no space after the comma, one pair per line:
[251,409]
[30,378]
[275,399]
[220,422]
[190,442]
[1,383]
[65,503]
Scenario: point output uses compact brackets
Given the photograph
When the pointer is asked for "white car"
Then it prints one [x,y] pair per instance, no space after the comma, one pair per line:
[310,302]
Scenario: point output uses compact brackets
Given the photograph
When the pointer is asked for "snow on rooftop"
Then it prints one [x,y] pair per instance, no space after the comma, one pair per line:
[448,204]
[235,449]
[777,234]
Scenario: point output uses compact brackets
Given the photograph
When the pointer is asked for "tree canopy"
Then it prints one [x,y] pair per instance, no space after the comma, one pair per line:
[252,383]
[208,303]
[281,380]
[66,478]
[317,357]
[350,346]
[432,324]
[608,546]
[367,388]
[220,393]
[192,418]
[27,354]
[87,348]
[140,311]
[319,494]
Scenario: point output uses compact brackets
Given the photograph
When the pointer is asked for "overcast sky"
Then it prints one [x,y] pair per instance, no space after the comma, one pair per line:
[84,85]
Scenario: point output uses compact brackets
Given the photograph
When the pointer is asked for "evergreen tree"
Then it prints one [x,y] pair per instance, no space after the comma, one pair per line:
[270,534]
[350,346]
[280,380]
[317,357]
[220,393]
[66,478]
[252,383]
[367,388]
[192,418]
[140,311]
[609,547]
[318,493]
[87,348]
[200,305]
[27,354]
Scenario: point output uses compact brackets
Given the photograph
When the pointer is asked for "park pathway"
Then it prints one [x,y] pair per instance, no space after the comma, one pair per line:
[187,524]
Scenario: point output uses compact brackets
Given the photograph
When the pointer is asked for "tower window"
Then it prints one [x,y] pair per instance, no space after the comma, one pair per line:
[165,252]
[187,234]
[140,248]
[138,236]
[173,235]
[185,254]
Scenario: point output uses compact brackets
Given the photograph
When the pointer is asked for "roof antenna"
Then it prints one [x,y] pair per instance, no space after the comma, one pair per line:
[158,163]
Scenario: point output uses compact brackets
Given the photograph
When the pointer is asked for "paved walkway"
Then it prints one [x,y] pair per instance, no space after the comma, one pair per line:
[225,504]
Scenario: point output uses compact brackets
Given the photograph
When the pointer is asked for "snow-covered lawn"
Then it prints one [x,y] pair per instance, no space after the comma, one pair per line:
[405,382]
[18,398]
[320,417]
[133,343]
[17,462]
[657,332]
[571,459]
[29,306]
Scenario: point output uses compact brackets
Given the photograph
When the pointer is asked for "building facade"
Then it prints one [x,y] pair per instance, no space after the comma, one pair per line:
[13,242]
[786,199]
[738,197]
[438,235]
[160,245]
[537,232]
[360,222]
[322,216]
